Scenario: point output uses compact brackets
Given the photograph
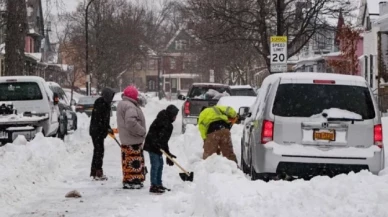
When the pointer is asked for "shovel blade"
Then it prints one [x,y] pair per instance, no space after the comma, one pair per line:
[186,177]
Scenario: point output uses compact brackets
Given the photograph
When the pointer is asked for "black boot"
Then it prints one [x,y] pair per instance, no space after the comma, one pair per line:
[156,190]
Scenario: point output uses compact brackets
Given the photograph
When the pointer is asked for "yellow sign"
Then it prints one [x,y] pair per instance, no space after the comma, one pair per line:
[275,39]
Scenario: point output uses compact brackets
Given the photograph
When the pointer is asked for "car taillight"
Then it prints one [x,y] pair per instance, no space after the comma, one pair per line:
[378,135]
[187,108]
[267,132]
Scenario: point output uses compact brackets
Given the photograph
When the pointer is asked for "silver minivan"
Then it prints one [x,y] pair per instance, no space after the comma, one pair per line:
[308,124]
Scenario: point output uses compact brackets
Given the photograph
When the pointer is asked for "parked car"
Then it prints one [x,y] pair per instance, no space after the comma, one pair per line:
[307,124]
[243,90]
[67,116]
[85,104]
[28,106]
[237,102]
[201,95]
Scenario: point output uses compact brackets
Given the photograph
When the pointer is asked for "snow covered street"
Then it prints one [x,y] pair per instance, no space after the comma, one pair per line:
[35,177]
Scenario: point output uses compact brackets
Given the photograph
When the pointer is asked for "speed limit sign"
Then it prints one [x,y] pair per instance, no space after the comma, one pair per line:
[279,54]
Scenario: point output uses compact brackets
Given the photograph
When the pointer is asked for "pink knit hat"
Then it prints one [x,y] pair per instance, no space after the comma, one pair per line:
[131,92]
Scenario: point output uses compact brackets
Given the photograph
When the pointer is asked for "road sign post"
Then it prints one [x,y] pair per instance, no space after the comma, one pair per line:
[278,54]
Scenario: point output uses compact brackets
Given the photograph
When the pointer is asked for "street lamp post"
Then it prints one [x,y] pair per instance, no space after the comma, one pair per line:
[88,79]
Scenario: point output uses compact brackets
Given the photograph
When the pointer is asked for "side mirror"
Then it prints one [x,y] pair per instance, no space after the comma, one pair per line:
[243,112]
[56,99]
[181,97]
[73,102]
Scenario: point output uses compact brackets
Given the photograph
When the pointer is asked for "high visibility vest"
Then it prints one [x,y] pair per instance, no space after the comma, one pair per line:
[212,114]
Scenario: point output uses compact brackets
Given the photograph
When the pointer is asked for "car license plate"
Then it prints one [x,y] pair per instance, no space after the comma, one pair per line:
[3,135]
[328,135]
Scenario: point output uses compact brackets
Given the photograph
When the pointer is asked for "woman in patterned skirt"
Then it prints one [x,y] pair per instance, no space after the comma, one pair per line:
[132,131]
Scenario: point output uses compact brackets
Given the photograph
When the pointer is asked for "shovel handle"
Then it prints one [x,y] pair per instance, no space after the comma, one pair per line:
[176,163]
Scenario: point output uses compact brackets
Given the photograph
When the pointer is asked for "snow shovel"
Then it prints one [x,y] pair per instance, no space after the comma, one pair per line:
[185,176]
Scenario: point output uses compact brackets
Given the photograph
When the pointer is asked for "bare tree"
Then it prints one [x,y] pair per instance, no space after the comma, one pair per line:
[254,21]
[15,37]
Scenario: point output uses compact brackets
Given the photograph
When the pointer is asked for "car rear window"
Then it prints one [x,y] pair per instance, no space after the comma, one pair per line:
[87,100]
[306,100]
[20,91]
[208,92]
[243,92]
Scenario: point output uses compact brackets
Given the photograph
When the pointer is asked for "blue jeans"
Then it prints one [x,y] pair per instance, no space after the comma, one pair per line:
[156,169]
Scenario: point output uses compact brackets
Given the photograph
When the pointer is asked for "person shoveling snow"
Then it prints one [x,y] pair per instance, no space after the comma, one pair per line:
[214,124]
[99,129]
[157,139]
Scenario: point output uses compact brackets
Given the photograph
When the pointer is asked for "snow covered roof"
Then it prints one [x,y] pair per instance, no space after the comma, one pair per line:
[35,56]
[236,102]
[22,78]
[241,87]
[181,75]
[210,84]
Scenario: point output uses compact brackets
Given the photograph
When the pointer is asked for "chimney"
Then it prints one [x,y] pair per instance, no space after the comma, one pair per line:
[383,8]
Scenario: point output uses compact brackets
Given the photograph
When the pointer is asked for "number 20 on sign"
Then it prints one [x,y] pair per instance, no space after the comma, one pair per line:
[279,50]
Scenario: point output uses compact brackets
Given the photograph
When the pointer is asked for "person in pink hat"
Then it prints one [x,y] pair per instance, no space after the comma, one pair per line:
[132,131]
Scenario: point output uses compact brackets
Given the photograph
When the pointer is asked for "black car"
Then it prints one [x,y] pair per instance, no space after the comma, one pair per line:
[85,104]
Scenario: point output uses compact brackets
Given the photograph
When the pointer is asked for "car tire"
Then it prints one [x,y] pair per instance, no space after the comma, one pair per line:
[183,129]
[62,129]
[244,166]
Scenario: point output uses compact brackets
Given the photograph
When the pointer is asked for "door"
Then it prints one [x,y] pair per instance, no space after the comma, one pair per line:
[174,85]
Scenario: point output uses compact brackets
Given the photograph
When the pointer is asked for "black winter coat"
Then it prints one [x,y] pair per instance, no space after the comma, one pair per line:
[99,123]
[160,131]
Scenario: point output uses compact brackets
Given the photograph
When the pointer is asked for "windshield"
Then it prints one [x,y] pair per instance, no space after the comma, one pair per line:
[87,100]
[61,94]
[19,91]
[243,92]
[306,100]
[209,92]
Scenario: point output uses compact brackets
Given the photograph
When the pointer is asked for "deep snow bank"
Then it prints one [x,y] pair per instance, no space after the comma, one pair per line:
[26,167]
[221,189]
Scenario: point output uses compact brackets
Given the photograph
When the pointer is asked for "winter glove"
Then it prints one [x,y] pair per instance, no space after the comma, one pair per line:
[169,162]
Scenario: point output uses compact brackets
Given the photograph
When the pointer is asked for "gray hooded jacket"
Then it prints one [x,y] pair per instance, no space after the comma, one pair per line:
[130,122]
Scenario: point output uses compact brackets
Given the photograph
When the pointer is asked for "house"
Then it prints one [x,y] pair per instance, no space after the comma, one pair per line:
[375,20]
[179,62]
[37,45]
[144,72]
[324,45]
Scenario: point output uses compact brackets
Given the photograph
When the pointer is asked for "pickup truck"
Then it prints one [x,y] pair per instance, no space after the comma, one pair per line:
[200,95]
[27,107]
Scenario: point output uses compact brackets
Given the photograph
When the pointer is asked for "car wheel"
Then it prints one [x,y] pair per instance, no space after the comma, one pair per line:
[244,166]
[62,130]
[183,128]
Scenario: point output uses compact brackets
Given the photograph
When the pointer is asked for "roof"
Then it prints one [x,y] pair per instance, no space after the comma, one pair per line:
[318,75]
[241,87]
[22,78]
[51,83]
[209,84]
[180,75]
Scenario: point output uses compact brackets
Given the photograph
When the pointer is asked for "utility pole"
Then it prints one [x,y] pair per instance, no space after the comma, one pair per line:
[88,77]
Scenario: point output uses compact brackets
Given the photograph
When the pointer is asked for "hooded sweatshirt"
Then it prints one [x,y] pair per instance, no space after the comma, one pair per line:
[160,131]
[99,123]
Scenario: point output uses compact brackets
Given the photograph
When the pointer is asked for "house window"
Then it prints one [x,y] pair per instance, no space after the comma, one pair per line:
[152,64]
[172,63]
[180,45]
[371,71]
[138,65]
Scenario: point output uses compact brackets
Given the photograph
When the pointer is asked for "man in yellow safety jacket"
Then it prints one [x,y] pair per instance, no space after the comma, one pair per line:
[214,124]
